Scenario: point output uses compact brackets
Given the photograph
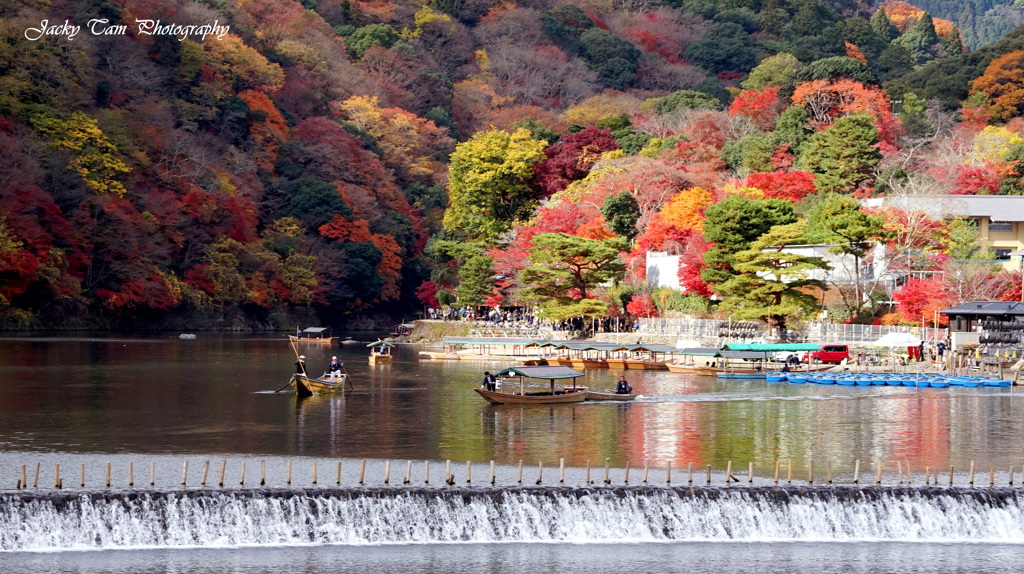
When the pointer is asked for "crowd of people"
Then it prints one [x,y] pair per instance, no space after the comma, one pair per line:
[519,316]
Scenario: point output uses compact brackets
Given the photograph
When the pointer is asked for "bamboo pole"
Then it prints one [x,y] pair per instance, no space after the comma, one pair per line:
[288,473]
[184,473]
[625,476]
[469,473]
[561,471]
[24,477]
[878,475]
[35,479]
[81,482]
[777,465]
[689,473]
[991,476]
[224,466]
[448,472]
[668,473]
[241,475]
[829,466]
[362,471]
[708,468]
[972,474]
[927,475]
[607,470]
[647,467]
[588,472]
[1011,475]
[206,469]
[951,476]
[492,473]
[426,472]
[108,474]
[314,475]
[408,473]
[152,473]
[810,472]
[789,473]
[728,472]
[56,476]
[131,474]
[263,472]
[337,475]
[908,473]
[540,471]
[856,472]
[750,473]
[387,471]
[899,469]
[519,474]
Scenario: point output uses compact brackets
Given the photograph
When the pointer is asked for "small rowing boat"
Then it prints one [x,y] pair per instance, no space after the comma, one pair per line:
[305,386]
[380,352]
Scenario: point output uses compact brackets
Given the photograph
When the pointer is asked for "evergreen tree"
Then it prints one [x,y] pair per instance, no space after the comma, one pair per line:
[772,285]
[622,211]
[476,280]
[843,155]
[919,39]
[731,225]
[883,27]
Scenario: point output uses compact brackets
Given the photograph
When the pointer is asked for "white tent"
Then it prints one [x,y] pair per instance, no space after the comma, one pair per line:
[895,339]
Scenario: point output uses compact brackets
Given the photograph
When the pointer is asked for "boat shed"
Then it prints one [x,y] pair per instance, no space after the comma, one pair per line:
[971,316]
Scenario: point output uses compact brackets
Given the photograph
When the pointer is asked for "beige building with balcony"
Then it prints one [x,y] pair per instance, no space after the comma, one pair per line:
[1000,218]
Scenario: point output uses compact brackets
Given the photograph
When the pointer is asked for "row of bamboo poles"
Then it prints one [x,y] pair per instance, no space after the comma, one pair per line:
[931,475]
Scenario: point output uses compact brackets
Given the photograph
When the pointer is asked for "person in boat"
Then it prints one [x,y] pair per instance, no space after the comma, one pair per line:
[489,383]
[300,365]
[786,368]
[334,368]
[622,387]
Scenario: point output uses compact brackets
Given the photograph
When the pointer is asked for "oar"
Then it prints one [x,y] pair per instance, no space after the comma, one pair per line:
[301,366]
[348,379]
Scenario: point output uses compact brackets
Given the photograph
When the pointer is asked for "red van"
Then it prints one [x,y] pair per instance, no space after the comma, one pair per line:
[832,353]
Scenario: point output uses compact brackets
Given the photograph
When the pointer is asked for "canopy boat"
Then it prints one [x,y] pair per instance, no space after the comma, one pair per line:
[316,335]
[573,394]
[305,386]
[380,351]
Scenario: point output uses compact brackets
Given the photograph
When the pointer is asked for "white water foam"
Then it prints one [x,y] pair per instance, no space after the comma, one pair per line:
[217,519]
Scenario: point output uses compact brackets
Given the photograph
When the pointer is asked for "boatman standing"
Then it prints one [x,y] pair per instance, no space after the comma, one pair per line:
[300,365]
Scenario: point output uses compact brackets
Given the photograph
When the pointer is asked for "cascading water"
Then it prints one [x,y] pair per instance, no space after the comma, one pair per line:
[204,518]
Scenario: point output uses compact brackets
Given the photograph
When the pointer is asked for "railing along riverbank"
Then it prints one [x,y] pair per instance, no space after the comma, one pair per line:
[409,473]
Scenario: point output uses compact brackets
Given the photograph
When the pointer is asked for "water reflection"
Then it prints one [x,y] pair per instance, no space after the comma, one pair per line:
[215,394]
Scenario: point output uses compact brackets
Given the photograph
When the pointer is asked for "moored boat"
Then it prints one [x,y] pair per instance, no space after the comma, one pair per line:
[313,335]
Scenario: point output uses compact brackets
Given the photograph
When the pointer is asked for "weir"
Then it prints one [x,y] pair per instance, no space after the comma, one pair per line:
[110,519]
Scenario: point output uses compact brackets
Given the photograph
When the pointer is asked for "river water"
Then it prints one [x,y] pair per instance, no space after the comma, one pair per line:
[147,405]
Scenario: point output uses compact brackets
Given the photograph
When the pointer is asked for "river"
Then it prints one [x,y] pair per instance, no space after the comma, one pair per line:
[149,404]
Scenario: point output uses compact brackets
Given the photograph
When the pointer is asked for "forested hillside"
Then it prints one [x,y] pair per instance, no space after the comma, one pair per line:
[364,159]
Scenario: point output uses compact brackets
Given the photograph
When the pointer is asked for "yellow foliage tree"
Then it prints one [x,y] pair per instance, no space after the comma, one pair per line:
[407,142]
[81,136]
[994,143]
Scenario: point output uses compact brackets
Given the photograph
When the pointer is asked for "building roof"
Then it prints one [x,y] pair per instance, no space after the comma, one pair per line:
[1014,308]
[994,207]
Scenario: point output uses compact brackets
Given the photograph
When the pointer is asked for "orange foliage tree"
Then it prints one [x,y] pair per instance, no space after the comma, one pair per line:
[761,106]
[1003,82]
[267,130]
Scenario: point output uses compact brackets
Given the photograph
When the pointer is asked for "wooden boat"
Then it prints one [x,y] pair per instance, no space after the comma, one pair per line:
[313,335]
[617,363]
[305,386]
[533,362]
[589,364]
[500,398]
[688,369]
[380,352]
[608,396]
[645,365]
[509,395]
